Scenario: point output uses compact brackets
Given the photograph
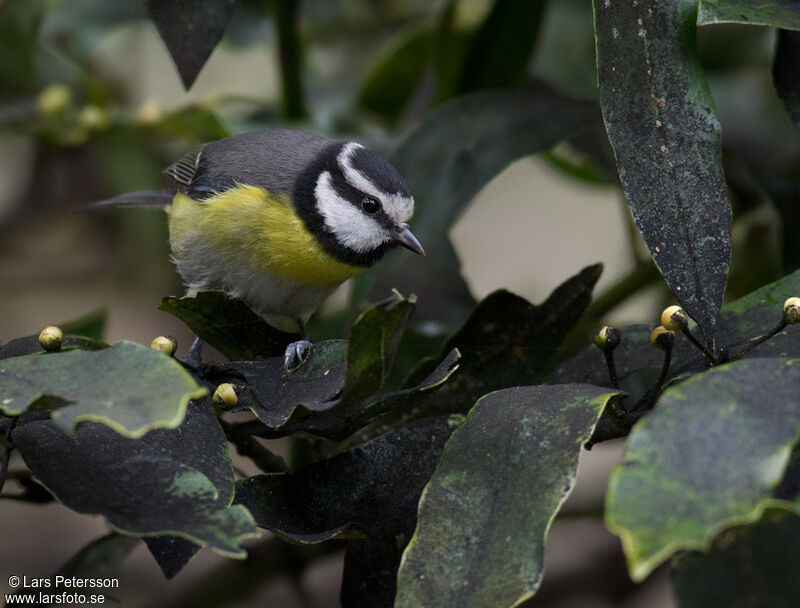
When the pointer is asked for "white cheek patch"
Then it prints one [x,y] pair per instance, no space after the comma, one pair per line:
[352,228]
[398,207]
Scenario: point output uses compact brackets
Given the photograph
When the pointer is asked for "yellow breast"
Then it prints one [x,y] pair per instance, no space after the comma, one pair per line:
[246,225]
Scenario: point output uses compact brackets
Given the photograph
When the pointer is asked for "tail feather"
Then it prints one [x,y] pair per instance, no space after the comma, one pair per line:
[142,199]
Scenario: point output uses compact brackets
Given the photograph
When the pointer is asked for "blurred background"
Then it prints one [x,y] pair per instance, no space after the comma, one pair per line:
[91,106]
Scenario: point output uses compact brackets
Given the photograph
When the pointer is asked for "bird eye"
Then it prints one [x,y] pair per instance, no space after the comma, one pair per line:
[370,205]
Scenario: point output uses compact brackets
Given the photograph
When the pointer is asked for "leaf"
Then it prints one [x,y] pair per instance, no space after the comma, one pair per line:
[191,30]
[661,122]
[672,491]
[507,341]
[459,147]
[370,490]
[277,394]
[19,28]
[500,50]
[147,486]
[172,553]
[501,479]
[91,326]
[30,345]
[755,565]
[373,344]
[229,326]
[786,72]
[370,573]
[128,387]
[777,13]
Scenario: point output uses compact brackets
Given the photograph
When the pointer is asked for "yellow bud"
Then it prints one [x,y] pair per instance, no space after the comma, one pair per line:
[54,99]
[225,395]
[791,310]
[674,318]
[93,118]
[150,112]
[607,338]
[165,344]
[662,338]
[51,338]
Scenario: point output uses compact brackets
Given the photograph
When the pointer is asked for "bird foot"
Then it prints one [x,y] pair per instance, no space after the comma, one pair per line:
[296,354]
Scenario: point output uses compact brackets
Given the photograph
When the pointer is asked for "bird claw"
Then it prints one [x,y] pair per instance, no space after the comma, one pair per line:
[296,354]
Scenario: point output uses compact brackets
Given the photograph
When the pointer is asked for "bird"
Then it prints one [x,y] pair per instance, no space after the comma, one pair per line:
[279,219]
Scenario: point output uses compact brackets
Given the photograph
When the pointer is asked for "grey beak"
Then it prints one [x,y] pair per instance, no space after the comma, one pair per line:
[407,239]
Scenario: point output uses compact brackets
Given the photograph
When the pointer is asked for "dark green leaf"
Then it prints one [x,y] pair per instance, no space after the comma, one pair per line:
[171,553]
[777,13]
[786,72]
[195,124]
[19,28]
[277,394]
[708,457]
[500,50]
[370,490]
[502,478]
[29,345]
[144,487]
[370,573]
[507,341]
[747,566]
[373,344]
[229,326]
[129,387]
[191,30]
[661,122]
[457,150]
[394,77]
[91,326]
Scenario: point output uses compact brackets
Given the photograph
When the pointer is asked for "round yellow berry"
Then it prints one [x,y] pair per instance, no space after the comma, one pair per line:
[607,338]
[51,338]
[662,338]
[674,318]
[54,99]
[93,118]
[791,310]
[165,344]
[225,395]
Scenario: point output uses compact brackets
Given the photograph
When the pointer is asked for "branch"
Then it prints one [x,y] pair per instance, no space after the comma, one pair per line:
[291,58]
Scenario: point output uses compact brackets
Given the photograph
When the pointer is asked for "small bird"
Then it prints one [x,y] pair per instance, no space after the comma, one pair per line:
[279,219]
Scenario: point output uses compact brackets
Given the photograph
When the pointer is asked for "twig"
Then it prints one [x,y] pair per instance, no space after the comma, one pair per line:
[290,56]
[778,328]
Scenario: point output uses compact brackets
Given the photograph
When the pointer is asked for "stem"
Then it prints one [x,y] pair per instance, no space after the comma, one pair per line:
[708,355]
[664,369]
[778,328]
[290,57]
[7,447]
[251,448]
[612,369]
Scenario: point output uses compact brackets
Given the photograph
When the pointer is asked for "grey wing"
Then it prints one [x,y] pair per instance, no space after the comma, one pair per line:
[183,171]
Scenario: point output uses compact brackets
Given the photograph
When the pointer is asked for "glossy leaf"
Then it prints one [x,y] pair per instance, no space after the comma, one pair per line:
[501,479]
[786,71]
[369,577]
[373,344]
[150,486]
[662,125]
[672,492]
[128,387]
[229,326]
[507,341]
[500,50]
[459,147]
[777,13]
[370,490]
[191,30]
[755,565]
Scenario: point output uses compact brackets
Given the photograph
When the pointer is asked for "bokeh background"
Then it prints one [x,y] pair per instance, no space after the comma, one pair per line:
[91,106]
